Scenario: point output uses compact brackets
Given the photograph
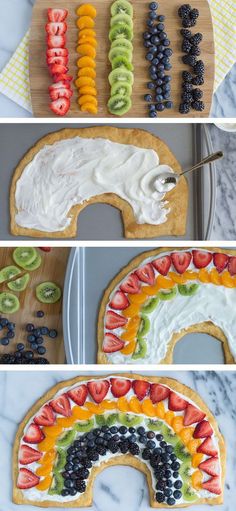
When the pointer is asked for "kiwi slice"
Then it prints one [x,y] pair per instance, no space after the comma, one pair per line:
[121,75]
[140,350]
[121,7]
[181,452]
[119,105]
[84,426]
[19,284]
[185,471]
[35,264]
[24,255]
[61,460]
[150,305]
[8,273]
[129,420]
[122,43]
[120,30]
[169,435]
[154,425]
[167,294]
[111,419]
[123,89]
[188,289]
[100,420]
[67,438]
[57,485]
[122,18]
[188,493]
[48,292]
[119,51]
[9,303]
[144,326]
[121,62]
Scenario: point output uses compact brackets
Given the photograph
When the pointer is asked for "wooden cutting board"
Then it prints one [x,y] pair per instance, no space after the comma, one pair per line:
[53,269]
[40,78]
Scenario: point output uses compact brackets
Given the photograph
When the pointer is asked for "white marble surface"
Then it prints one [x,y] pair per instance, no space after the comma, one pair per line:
[19,390]
[14,21]
[224,227]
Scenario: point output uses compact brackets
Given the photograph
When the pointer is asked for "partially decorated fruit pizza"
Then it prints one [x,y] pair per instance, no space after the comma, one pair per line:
[84,425]
[162,295]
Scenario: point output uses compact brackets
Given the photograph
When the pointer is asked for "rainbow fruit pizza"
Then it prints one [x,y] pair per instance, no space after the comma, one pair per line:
[84,425]
[162,295]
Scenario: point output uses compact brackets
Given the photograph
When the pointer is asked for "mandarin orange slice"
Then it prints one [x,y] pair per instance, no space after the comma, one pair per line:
[84,80]
[133,322]
[44,470]
[160,410]
[44,484]
[48,457]
[190,275]
[89,107]
[137,298]
[132,310]
[178,279]
[215,277]
[164,283]
[86,49]
[186,435]
[109,405]
[47,444]
[169,417]
[134,405]
[177,423]
[196,479]
[52,431]
[87,71]
[86,62]
[86,89]
[87,32]
[193,445]
[203,276]
[80,413]
[86,98]
[148,408]
[94,408]
[86,10]
[227,280]
[85,22]
[151,290]
[122,404]
[197,459]
[129,335]
[66,422]
[88,40]
[129,348]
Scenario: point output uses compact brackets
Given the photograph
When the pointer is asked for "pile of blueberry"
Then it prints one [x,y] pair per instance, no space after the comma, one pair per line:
[191,97]
[150,446]
[158,54]
[8,328]
[36,335]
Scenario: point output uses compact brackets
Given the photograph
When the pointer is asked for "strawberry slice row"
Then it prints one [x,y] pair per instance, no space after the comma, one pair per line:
[57,60]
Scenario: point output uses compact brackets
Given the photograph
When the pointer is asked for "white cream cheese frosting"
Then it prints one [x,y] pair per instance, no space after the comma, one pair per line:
[72,171]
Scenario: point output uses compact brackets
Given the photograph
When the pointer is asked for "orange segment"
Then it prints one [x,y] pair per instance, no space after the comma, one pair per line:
[131,311]
[47,444]
[129,336]
[122,404]
[190,275]
[85,22]
[86,49]
[87,71]
[86,89]
[48,457]
[134,405]
[138,298]
[186,435]
[86,62]
[203,276]
[52,431]
[151,290]
[88,40]
[86,10]
[44,484]
[148,408]
[160,410]
[215,277]
[87,99]
[66,422]
[197,459]
[84,80]
[177,423]
[127,350]
[109,405]
[177,279]
[94,408]
[197,478]
[89,108]
[80,413]
[169,417]
[193,445]
[44,470]
[133,323]
[87,32]
[164,283]
[227,280]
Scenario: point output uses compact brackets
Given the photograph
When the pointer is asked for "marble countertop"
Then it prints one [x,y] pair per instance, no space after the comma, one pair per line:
[19,391]
[15,20]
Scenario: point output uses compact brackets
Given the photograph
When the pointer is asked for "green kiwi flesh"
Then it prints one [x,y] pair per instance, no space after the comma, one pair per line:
[121,62]
[120,30]
[48,292]
[121,75]
[150,305]
[9,272]
[24,255]
[188,289]
[9,303]
[144,326]
[35,264]
[57,485]
[119,51]
[122,18]
[140,350]
[121,7]
[84,426]
[122,43]
[118,104]
[129,420]
[167,294]
[67,438]
[61,460]
[123,89]
[19,284]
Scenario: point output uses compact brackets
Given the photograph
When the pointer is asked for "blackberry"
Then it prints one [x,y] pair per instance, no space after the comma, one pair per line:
[187,34]
[134,449]
[187,97]
[194,14]
[198,80]
[186,46]
[196,39]
[184,10]
[197,94]
[195,50]
[187,77]
[146,454]
[160,485]
[184,108]
[101,450]
[188,23]
[189,60]
[198,105]
[199,68]
[87,463]
[160,497]
[113,446]
[187,87]
[82,473]
[81,486]
[124,447]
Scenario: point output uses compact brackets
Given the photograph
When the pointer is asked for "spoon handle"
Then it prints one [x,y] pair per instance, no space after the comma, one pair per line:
[208,159]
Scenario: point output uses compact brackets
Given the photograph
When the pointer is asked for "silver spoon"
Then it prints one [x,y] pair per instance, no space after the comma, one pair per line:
[166,181]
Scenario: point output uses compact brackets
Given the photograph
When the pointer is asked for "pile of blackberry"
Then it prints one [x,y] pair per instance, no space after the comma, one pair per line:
[158,54]
[150,446]
[191,97]
[22,357]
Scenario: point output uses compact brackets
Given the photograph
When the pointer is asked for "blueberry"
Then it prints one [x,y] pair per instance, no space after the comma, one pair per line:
[166,42]
[178,484]
[166,88]
[149,57]
[155,61]
[39,340]
[39,314]
[34,346]
[150,23]
[153,31]
[169,105]
[11,326]
[148,97]
[152,15]
[165,60]
[159,82]
[169,449]
[167,492]
[41,350]
[169,483]
[123,430]
[175,474]
[29,327]
[160,74]
[153,69]
[167,474]
[52,334]
[177,494]
[153,6]
[153,76]
[173,457]
[146,35]
[114,429]
[167,79]
[160,55]
[161,18]
[44,330]
[160,107]
[10,334]
[159,90]
[168,67]
[160,67]
[141,430]
[20,346]
[160,26]
[159,437]
[168,52]
[31,338]
[69,483]
[132,438]
[29,355]
[170,501]
[151,85]
[4,341]
[147,44]
[151,114]
[175,466]
[65,493]
[73,492]
[157,450]
[163,443]
[150,435]
[155,39]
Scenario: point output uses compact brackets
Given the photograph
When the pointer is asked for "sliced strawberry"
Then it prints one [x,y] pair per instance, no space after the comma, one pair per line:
[60,106]
[193,414]
[213,485]
[57,15]
[56,69]
[211,466]
[45,417]
[158,392]
[78,394]
[56,41]
[207,447]
[60,93]
[120,387]
[33,435]
[176,403]
[27,479]
[98,389]
[114,320]
[61,405]
[119,301]
[112,343]
[201,258]
[141,388]
[146,274]
[220,261]
[181,261]
[59,85]
[162,264]
[203,429]
[131,284]
[28,455]
[232,266]
[56,28]
[57,52]
[61,61]
[62,77]
[45,249]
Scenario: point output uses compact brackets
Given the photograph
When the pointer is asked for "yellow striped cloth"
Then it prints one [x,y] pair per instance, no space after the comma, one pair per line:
[14,79]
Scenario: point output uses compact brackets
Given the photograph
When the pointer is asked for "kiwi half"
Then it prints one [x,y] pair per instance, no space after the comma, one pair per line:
[181,452]
[188,289]
[167,294]
[121,62]
[129,420]
[123,89]
[121,75]
[48,292]
[35,264]
[19,284]
[140,350]
[84,426]
[150,305]
[9,303]
[121,7]
[67,438]
[122,43]
[122,18]
[120,30]
[24,255]
[144,326]
[154,424]
[9,272]
[61,460]
[119,51]
[57,485]
[118,104]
